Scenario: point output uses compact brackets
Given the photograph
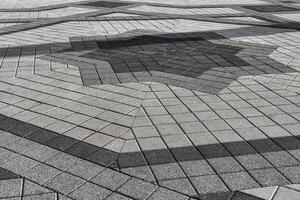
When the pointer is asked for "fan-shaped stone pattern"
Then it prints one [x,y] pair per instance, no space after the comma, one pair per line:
[183,59]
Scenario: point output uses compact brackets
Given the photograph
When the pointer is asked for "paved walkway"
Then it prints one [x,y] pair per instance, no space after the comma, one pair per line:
[149,99]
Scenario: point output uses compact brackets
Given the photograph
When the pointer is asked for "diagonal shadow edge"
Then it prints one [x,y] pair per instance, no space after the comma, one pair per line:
[113,159]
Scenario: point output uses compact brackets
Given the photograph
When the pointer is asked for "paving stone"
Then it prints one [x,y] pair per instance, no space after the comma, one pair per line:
[254,161]
[65,183]
[239,181]
[11,187]
[196,168]
[180,185]
[208,184]
[167,171]
[137,189]
[90,191]
[292,173]
[41,153]
[41,173]
[269,177]
[85,169]
[280,158]
[220,101]
[225,165]
[142,172]
[62,161]
[169,129]
[110,179]
[61,142]
[19,164]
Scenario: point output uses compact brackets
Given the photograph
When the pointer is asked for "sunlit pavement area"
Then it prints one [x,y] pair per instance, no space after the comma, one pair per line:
[149,99]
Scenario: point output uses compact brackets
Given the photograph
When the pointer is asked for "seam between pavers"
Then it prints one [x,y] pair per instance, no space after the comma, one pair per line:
[131,128]
[243,140]
[276,168]
[78,141]
[89,181]
[276,107]
[61,120]
[70,99]
[89,94]
[213,136]
[192,184]
[273,166]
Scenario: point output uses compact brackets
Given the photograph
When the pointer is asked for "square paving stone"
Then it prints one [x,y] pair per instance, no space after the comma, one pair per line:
[225,165]
[81,150]
[110,179]
[62,161]
[137,189]
[167,171]
[143,172]
[239,181]
[132,159]
[169,129]
[186,153]
[215,125]
[31,188]
[181,185]
[239,123]
[193,127]
[61,142]
[239,148]
[280,159]
[19,164]
[64,183]
[41,136]
[160,156]
[184,117]
[253,161]
[162,119]
[145,131]
[103,157]
[11,188]
[208,184]
[292,173]
[85,169]
[90,191]
[213,151]
[41,153]
[269,177]
[196,168]
[41,173]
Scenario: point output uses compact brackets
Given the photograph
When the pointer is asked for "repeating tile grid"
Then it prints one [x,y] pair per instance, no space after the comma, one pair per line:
[144,120]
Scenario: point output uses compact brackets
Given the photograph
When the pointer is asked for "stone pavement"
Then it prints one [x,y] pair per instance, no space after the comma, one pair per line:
[150,99]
